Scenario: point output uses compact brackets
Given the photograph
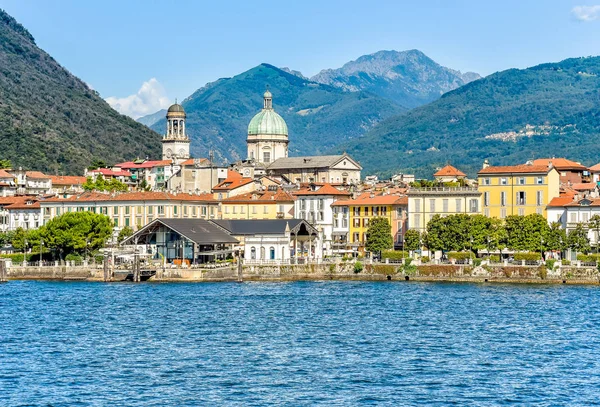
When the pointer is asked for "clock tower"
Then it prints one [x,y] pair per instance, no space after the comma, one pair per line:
[176,144]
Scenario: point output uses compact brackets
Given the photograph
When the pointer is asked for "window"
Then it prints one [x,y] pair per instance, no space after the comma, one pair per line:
[242,209]
[486,212]
[161,210]
[485,181]
[253,253]
[503,198]
[573,217]
[417,205]
[127,210]
[175,210]
[344,223]
[115,210]
[417,221]
[585,217]
[356,223]
[57,211]
[303,205]
[303,215]
[503,181]
[116,220]
[205,211]
[226,209]
[445,205]
[336,223]
[473,206]
[139,210]
[486,199]
[539,211]
[521,181]
[234,209]
[502,213]
[262,253]
[272,253]
[150,208]
[376,211]
[432,205]
[267,157]
[366,211]
[356,211]
[321,216]
[254,209]
[539,180]
[355,237]
[540,198]
[521,198]
[194,210]
[521,212]
[321,204]
[459,205]
[266,209]
[365,222]
[127,222]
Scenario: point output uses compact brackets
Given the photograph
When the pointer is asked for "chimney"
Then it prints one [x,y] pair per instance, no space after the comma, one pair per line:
[486,164]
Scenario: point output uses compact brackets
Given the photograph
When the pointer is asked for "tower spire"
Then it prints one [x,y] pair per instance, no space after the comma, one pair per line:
[268,99]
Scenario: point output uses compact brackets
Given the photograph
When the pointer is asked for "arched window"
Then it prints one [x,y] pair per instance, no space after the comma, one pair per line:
[253,253]
[272,253]
[262,253]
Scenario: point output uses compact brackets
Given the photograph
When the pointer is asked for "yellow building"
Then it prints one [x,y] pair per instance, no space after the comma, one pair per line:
[271,204]
[425,203]
[366,207]
[518,189]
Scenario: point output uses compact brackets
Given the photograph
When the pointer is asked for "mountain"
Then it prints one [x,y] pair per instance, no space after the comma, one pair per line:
[319,117]
[150,119]
[409,78]
[52,121]
[508,117]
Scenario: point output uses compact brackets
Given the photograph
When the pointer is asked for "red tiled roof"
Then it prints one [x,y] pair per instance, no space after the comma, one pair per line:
[595,168]
[111,173]
[449,171]
[376,200]
[4,174]
[561,200]
[261,196]
[133,196]
[584,186]
[326,189]
[36,175]
[145,164]
[234,180]
[24,205]
[517,169]
[191,161]
[594,202]
[67,179]
[560,164]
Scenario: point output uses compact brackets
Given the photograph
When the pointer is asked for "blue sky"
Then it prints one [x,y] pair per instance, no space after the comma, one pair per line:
[117,46]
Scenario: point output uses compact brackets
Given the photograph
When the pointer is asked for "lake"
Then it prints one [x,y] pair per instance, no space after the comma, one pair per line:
[298,344]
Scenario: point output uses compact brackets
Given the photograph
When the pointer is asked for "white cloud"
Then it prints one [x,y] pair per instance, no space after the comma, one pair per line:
[586,13]
[149,99]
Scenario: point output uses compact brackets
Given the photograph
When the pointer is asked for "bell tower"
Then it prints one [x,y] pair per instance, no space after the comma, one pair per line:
[175,143]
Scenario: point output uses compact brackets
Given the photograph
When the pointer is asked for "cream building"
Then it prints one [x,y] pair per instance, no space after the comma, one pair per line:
[176,144]
[267,134]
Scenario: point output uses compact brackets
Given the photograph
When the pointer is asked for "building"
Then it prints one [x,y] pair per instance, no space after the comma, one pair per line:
[67,184]
[175,143]
[134,209]
[571,172]
[278,240]
[197,175]
[518,189]
[313,203]
[111,173]
[19,212]
[268,204]
[333,169]
[8,185]
[234,184]
[150,173]
[425,203]
[184,241]
[267,134]
[449,174]
[367,206]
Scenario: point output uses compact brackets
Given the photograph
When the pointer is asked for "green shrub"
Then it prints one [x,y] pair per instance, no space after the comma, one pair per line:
[565,262]
[425,259]
[408,261]
[588,258]
[527,256]
[358,267]
[460,255]
[394,255]
[73,257]
[19,257]
[495,258]
[409,269]
[476,262]
[542,272]
[332,268]
[550,264]
[346,258]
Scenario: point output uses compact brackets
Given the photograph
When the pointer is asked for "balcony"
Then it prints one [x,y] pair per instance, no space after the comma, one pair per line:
[280,215]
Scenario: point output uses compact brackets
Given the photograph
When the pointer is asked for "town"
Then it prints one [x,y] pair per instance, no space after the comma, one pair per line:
[271,208]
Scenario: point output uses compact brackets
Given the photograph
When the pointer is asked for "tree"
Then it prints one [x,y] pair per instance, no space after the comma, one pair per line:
[97,164]
[578,239]
[526,232]
[379,235]
[124,233]
[412,240]
[555,238]
[76,232]
[594,224]
[4,164]
[100,184]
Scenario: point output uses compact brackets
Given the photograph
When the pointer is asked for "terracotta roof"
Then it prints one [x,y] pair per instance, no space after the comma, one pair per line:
[595,168]
[132,196]
[261,196]
[4,174]
[449,171]
[9,200]
[584,186]
[594,202]
[192,161]
[234,180]
[145,164]
[326,189]
[24,205]
[376,200]
[561,200]
[36,175]
[517,169]
[560,164]
[67,180]
[111,173]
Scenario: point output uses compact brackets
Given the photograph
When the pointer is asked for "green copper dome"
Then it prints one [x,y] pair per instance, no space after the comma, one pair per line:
[267,121]
[176,108]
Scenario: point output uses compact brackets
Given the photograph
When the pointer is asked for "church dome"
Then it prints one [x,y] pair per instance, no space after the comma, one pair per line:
[176,109]
[267,121]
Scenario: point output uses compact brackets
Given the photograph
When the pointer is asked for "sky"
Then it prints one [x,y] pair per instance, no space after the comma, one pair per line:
[142,54]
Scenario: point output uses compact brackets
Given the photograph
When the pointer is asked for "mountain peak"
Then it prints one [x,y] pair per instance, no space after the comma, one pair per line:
[409,78]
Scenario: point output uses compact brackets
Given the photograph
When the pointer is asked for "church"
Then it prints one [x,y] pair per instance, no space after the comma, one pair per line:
[268,142]
[267,155]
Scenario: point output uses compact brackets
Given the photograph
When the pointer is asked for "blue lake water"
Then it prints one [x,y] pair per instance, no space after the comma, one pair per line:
[305,343]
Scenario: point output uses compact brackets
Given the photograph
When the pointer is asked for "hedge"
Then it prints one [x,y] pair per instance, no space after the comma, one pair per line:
[18,257]
[530,256]
[460,255]
[394,255]
[588,258]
